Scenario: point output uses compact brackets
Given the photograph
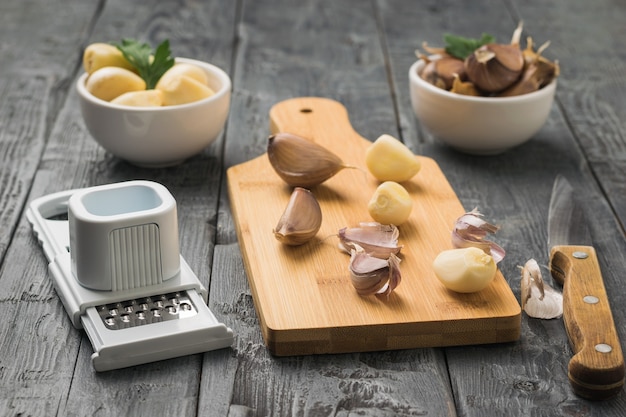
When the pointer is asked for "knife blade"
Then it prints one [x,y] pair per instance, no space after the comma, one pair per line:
[596,370]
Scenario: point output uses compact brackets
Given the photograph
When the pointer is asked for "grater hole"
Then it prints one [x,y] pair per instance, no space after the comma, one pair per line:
[146,310]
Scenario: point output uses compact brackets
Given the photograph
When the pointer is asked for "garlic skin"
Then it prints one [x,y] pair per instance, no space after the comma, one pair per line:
[471,229]
[465,270]
[390,204]
[377,240]
[388,159]
[301,219]
[539,300]
[301,162]
[370,275]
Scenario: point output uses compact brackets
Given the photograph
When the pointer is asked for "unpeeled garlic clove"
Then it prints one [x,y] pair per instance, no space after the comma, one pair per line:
[494,67]
[440,72]
[301,162]
[371,275]
[539,300]
[378,240]
[301,219]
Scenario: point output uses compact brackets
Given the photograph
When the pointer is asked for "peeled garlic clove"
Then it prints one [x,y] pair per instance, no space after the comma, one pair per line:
[539,300]
[301,162]
[100,55]
[465,270]
[390,204]
[183,69]
[301,219]
[378,240]
[388,159]
[370,275]
[108,83]
[182,90]
[144,98]
[471,229]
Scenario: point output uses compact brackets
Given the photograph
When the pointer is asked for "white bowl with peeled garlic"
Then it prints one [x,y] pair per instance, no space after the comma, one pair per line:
[502,98]
[155,127]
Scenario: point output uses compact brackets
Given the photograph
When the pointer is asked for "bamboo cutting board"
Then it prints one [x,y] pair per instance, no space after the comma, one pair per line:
[303,295]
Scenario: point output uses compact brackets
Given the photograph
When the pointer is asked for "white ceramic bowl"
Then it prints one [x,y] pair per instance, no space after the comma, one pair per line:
[479,125]
[158,136]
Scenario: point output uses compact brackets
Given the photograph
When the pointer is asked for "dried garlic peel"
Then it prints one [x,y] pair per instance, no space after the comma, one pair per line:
[388,159]
[539,300]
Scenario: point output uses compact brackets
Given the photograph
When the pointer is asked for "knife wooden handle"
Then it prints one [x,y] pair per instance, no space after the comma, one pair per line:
[596,371]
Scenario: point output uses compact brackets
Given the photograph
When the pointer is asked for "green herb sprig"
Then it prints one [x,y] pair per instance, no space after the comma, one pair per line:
[150,66]
[461,47]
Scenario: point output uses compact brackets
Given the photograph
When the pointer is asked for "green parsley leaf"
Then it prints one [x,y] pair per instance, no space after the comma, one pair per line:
[150,66]
[461,47]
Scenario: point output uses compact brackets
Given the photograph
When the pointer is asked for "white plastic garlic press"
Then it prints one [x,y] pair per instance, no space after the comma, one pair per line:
[114,259]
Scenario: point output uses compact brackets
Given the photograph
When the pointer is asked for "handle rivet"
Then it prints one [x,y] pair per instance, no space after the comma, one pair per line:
[603,348]
[580,255]
[591,299]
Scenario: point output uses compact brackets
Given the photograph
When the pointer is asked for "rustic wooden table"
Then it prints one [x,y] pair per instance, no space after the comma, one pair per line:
[356,52]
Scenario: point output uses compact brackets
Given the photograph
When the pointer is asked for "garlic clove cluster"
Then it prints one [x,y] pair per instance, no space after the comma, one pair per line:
[301,219]
[539,300]
[492,70]
[301,162]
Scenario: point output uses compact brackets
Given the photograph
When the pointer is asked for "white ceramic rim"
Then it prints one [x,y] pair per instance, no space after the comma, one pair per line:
[216,71]
[416,79]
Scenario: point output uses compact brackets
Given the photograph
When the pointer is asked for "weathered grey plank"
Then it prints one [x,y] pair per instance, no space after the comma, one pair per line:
[37,348]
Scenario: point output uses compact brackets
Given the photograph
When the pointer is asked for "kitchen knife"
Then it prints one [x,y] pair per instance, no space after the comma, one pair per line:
[596,371]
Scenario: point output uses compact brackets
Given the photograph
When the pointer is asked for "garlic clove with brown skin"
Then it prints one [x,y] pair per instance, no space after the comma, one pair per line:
[301,162]
[301,219]
[539,300]
[370,275]
[378,240]
[441,72]
[494,67]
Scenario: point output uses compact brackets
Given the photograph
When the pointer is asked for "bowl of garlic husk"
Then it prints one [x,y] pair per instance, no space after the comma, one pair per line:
[481,97]
[149,108]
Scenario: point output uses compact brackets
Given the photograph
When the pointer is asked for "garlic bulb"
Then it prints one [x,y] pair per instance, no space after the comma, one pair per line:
[539,300]
[301,162]
[301,219]
[471,229]
[378,240]
[370,275]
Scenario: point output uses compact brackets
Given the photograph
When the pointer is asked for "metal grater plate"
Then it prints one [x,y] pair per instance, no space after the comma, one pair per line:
[146,310]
